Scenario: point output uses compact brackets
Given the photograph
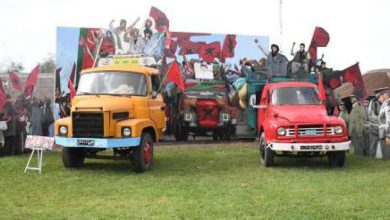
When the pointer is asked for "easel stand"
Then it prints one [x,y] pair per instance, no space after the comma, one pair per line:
[39,151]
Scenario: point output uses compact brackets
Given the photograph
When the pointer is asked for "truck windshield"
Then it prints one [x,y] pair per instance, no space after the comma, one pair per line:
[295,96]
[112,83]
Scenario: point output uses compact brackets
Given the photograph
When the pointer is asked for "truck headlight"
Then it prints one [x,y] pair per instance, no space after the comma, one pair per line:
[189,116]
[338,129]
[126,132]
[281,131]
[63,130]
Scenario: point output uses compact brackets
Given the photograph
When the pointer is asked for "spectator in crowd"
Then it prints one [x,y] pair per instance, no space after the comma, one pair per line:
[366,127]
[344,113]
[36,118]
[356,126]
[47,118]
[300,62]
[373,112]
[384,121]
[276,63]
[10,133]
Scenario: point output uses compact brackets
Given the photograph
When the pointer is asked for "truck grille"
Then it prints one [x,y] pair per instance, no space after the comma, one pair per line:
[88,124]
[309,130]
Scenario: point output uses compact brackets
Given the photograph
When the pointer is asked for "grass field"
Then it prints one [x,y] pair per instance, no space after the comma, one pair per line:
[222,182]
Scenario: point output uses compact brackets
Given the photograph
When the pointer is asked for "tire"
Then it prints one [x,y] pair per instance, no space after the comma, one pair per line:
[267,156]
[73,157]
[336,159]
[142,157]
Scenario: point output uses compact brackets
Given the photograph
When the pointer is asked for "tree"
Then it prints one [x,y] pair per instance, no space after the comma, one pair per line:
[48,65]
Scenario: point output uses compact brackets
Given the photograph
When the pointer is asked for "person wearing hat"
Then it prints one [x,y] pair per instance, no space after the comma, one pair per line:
[373,112]
[356,125]
[384,122]
[276,63]
[344,113]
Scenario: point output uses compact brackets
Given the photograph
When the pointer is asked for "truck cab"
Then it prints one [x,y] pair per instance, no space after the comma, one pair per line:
[293,122]
[116,107]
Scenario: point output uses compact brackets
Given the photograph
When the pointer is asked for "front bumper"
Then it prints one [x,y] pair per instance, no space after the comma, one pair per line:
[309,147]
[102,143]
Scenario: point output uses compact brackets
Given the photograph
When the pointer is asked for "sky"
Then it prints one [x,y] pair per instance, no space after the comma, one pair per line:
[359,30]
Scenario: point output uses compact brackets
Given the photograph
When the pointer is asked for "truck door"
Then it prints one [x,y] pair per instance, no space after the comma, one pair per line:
[262,112]
[156,103]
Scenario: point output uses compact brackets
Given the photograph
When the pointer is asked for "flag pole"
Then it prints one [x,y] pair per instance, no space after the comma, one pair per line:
[97,52]
[165,76]
[157,41]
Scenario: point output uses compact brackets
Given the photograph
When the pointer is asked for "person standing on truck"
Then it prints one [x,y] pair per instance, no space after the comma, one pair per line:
[276,63]
[300,62]
[384,122]
[356,122]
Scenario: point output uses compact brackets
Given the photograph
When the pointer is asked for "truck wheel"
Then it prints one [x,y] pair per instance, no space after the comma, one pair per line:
[267,156]
[142,157]
[336,159]
[72,157]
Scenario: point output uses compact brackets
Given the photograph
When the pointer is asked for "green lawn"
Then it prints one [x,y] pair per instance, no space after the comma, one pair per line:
[223,182]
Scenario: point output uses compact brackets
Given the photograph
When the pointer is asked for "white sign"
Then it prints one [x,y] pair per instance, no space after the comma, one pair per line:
[203,71]
[33,141]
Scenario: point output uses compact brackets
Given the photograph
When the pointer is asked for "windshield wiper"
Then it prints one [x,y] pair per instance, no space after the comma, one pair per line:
[115,94]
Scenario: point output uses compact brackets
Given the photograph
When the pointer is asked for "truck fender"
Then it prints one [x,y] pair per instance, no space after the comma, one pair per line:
[137,127]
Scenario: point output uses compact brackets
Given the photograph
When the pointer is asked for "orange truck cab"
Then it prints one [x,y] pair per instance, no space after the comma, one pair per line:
[293,122]
[116,107]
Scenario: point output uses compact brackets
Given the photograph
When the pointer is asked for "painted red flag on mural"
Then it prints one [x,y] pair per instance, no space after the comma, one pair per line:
[88,59]
[320,39]
[189,47]
[174,74]
[31,81]
[161,20]
[210,51]
[3,96]
[15,81]
[72,90]
[229,44]
[353,75]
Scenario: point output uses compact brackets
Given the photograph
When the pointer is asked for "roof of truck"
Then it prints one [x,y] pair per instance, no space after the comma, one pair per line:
[290,84]
[123,68]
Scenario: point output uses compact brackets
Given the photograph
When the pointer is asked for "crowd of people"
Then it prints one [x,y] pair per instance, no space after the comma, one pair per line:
[25,116]
[367,123]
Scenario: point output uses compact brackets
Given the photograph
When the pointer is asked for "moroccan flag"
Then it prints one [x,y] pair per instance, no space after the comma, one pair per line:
[31,81]
[58,79]
[3,96]
[353,75]
[87,55]
[161,20]
[72,90]
[228,46]
[189,47]
[210,51]
[320,39]
[15,81]
[174,74]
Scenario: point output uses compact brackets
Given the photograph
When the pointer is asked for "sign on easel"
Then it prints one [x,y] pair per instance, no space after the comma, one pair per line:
[37,144]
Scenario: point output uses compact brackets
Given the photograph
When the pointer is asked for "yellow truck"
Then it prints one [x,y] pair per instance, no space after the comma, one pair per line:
[116,107]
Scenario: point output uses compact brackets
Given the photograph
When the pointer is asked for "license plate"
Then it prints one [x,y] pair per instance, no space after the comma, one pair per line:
[89,143]
[311,147]
[310,132]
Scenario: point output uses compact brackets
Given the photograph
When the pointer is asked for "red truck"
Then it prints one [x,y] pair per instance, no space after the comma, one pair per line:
[293,122]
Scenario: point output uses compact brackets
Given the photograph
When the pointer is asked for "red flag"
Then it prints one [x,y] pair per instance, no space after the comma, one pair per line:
[353,75]
[229,44]
[87,56]
[31,81]
[210,51]
[72,90]
[321,88]
[3,96]
[320,39]
[161,20]
[174,74]
[15,81]
[189,47]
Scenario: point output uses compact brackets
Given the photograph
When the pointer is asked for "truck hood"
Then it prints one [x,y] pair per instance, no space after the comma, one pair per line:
[307,114]
[102,103]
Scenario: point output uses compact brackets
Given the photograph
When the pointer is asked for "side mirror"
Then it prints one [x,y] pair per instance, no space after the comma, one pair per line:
[252,102]
[154,94]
